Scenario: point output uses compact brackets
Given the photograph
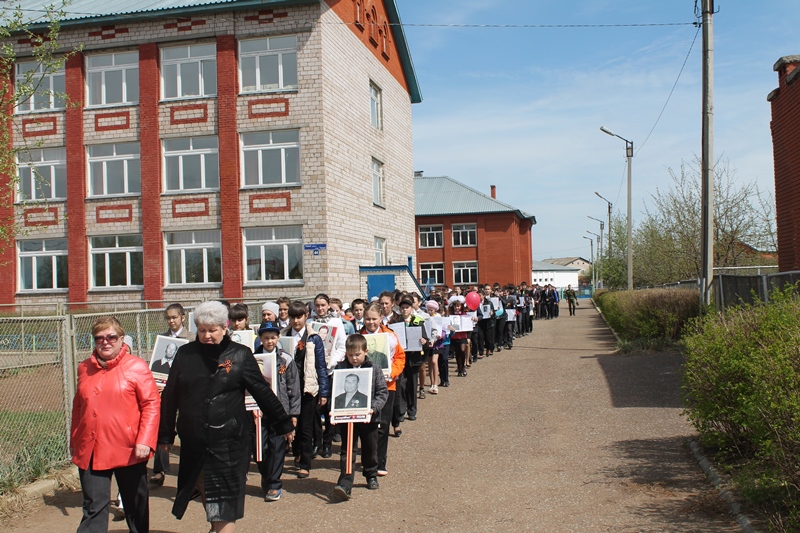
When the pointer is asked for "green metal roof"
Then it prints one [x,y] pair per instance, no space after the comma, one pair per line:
[94,13]
[446,196]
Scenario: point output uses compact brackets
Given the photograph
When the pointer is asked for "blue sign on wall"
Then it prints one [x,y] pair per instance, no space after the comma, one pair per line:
[315,247]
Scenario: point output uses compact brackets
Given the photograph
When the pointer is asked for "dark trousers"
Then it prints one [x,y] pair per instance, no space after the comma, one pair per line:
[460,347]
[323,429]
[96,486]
[499,330]
[508,334]
[444,366]
[383,431]
[368,434]
[477,341]
[571,307]
[486,327]
[409,391]
[160,461]
[273,450]
[305,430]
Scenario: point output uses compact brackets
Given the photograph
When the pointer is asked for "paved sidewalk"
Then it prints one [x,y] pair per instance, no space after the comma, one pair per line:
[554,435]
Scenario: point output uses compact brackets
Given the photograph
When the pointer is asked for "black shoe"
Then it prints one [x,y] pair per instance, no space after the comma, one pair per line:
[340,493]
[314,452]
[337,438]
[445,384]
[372,483]
[326,451]
[158,479]
[411,417]
[421,394]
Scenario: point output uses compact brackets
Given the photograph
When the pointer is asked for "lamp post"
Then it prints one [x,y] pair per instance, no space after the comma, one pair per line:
[609,221]
[595,263]
[629,155]
[591,256]
[600,248]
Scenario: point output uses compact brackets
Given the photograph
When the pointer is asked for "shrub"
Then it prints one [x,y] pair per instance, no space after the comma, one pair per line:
[742,389]
[650,313]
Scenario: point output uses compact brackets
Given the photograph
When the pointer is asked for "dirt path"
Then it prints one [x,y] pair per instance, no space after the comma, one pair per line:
[554,435]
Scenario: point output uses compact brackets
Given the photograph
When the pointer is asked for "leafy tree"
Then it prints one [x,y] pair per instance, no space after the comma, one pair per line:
[42,29]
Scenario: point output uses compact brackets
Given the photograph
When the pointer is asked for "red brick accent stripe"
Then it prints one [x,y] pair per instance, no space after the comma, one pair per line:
[105,214]
[186,114]
[40,216]
[35,127]
[268,107]
[108,32]
[184,24]
[106,122]
[267,16]
[190,207]
[271,202]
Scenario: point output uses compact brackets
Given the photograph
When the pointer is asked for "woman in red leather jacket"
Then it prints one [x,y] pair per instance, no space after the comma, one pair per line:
[115,417]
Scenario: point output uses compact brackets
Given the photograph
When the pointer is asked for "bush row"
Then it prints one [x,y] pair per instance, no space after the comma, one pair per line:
[742,392]
[650,313]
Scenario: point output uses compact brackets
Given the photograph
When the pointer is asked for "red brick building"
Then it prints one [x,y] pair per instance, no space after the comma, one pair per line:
[466,237]
[785,101]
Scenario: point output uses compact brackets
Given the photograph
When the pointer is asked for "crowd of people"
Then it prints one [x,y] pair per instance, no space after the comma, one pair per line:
[120,417]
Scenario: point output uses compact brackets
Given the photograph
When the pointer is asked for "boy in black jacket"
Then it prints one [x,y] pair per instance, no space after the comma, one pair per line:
[356,357]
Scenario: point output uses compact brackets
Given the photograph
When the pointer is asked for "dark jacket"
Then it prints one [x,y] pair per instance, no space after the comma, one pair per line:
[207,387]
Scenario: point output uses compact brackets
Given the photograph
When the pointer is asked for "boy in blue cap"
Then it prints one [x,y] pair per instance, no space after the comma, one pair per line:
[273,446]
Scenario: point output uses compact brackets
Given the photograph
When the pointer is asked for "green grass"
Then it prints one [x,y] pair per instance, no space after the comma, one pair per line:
[31,444]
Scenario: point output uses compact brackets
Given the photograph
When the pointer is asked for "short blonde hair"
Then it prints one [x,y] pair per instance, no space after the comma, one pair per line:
[105,322]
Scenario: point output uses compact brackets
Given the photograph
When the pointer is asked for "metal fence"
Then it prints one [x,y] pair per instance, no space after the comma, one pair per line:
[737,290]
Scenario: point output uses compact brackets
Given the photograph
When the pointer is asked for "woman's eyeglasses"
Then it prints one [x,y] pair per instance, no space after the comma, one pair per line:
[111,339]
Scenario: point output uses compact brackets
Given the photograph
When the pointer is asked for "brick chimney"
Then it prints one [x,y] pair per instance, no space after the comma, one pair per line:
[494,191]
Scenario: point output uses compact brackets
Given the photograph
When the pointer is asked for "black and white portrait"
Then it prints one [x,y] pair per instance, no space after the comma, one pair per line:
[352,394]
[164,351]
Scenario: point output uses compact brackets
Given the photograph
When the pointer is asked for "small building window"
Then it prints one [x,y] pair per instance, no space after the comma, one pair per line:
[112,78]
[117,261]
[431,273]
[268,64]
[465,235]
[194,257]
[274,254]
[114,169]
[465,272]
[188,71]
[431,237]
[43,264]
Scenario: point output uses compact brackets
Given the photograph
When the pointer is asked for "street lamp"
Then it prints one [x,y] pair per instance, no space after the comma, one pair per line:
[609,221]
[595,268]
[629,155]
[591,257]
[600,250]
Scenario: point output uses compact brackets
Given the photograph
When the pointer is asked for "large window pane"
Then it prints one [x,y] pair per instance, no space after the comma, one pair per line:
[193,264]
[26,272]
[115,177]
[137,268]
[118,269]
[271,166]
[295,260]
[170,75]
[209,77]
[269,71]
[132,85]
[251,176]
[95,82]
[99,269]
[212,171]
[174,266]
[273,262]
[44,272]
[134,176]
[173,173]
[192,179]
[113,86]
[214,265]
[253,263]
[290,70]
[190,79]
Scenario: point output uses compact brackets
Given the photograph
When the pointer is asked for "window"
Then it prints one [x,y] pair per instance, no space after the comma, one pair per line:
[48,86]
[117,261]
[194,257]
[465,234]
[189,71]
[465,272]
[377,183]
[114,169]
[431,273]
[43,264]
[271,158]
[112,78]
[268,64]
[375,106]
[42,174]
[191,163]
[274,254]
[431,237]
[380,251]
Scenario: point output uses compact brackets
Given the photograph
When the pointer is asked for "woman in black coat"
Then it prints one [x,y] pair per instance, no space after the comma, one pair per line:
[207,387]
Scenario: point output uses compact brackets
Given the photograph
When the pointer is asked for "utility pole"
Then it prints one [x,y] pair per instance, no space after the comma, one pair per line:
[707,173]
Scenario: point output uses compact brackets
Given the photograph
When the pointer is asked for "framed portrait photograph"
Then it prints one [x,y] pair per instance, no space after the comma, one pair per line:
[245,337]
[164,351]
[352,395]
[268,364]
[287,344]
[379,353]
[327,333]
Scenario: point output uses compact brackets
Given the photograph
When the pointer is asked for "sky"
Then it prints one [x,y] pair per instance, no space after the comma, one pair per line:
[521,108]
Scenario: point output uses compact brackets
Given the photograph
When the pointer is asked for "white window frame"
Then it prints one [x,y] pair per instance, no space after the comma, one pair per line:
[96,252]
[378,183]
[462,230]
[129,71]
[375,106]
[209,159]
[468,267]
[47,86]
[195,54]
[272,47]
[49,253]
[131,165]
[437,269]
[435,232]
[35,167]
[251,143]
[379,246]
[203,240]
[273,239]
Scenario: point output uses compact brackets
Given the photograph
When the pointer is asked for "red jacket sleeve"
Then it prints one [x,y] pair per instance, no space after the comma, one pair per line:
[149,406]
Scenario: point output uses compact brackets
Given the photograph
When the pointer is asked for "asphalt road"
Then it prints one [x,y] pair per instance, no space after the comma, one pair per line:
[555,435]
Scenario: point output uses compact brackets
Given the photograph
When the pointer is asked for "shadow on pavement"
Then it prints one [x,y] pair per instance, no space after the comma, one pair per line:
[664,470]
[643,380]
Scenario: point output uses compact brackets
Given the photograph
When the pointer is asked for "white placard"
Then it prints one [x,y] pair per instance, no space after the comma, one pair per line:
[245,337]
[352,395]
[267,363]
[287,344]
[163,355]
[400,330]
[379,352]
